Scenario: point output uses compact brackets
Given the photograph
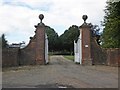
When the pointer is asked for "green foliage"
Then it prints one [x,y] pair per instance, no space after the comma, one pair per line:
[4,41]
[64,43]
[111,33]
[68,37]
[95,32]
[52,38]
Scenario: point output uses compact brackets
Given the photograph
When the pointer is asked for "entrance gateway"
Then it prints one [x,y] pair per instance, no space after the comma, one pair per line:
[82,47]
[87,51]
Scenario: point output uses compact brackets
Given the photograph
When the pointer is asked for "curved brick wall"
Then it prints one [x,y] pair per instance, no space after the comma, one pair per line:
[27,54]
[104,56]
[98,54]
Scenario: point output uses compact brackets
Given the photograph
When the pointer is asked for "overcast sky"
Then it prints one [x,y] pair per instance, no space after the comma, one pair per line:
[18,17]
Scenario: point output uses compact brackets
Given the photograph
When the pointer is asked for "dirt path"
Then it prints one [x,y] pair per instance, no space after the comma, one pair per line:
[61,73]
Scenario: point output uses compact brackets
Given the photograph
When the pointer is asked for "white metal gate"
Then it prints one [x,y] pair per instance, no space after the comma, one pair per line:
[78,50]
[46,49]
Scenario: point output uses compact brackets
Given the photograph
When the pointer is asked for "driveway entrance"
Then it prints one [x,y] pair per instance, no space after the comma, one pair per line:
[61,73]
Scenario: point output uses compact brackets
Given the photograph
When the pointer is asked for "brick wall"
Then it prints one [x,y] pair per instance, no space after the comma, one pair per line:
[10,57]
[40,44]
[86,49]
[17,56]
[104,56]
[27,54]
[113,57]
[33,53]
[98,54]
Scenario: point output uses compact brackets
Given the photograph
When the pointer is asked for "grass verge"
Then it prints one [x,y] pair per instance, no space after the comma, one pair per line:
[69,57]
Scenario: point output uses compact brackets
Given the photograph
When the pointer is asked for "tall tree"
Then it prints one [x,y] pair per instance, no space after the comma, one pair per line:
[95,31]
[52,38]
[4,41]
[111,32]
[68,37]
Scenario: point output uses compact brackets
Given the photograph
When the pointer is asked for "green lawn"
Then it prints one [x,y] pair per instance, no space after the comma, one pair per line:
[69,57]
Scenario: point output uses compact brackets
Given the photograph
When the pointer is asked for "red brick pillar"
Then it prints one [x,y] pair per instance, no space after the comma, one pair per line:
[40,42]
[86,43]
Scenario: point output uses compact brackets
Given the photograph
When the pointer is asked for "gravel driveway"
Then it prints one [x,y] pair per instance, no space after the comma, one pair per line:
[60,73]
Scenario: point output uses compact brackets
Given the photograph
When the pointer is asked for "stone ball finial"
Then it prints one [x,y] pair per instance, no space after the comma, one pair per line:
[84,17]
[41,16]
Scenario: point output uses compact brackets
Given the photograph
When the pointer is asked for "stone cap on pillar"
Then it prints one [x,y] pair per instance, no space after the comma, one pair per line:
[41,17]
[84,17]
[84,25]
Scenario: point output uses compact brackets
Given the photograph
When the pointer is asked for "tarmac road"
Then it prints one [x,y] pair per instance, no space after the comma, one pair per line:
[60,73]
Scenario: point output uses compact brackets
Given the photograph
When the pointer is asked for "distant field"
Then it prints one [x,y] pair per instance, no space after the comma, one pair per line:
[69,57]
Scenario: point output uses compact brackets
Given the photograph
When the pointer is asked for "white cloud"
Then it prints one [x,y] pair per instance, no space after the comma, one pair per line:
[16,19]
[20,16]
